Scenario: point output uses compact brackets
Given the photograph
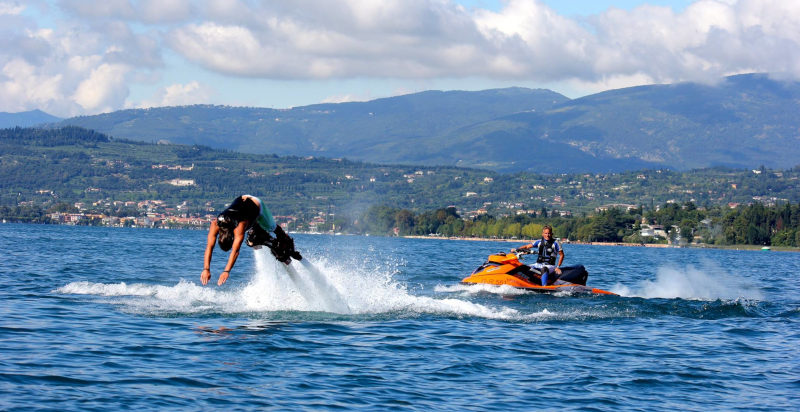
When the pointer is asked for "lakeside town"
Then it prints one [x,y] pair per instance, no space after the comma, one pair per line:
[127,184]
[157,214]
[151,214]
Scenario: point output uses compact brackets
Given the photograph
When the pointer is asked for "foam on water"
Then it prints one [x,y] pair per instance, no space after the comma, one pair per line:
[183,297]
[707,282]
[477,288]
[346,288]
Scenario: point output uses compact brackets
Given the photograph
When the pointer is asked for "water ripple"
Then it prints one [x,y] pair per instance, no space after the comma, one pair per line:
[116,323]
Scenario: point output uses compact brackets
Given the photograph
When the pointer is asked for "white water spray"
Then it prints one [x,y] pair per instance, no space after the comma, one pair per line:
[708,282]
[356,287]
[299,286]
[327,292]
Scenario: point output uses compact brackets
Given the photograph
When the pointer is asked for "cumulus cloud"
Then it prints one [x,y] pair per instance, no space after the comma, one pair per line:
[707,40]
[104,87]
[10,8]
[22,85]
[180,95]
[92,53]
[121,9]
[320,40]
[524,40]
[72,67]
[346,98]
[144,11]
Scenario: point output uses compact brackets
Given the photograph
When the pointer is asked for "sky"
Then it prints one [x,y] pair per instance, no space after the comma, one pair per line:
[83,57]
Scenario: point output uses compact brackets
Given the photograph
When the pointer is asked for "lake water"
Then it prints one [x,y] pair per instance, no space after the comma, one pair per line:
[109,318]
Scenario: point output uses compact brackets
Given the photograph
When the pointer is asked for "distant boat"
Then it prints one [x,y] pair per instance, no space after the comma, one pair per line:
[766,248]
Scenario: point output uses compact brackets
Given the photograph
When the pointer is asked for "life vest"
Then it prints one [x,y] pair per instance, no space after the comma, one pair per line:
[547,252]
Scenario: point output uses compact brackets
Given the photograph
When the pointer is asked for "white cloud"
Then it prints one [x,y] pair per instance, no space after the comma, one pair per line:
[145,11]
[180,95]
[533,41]
[230,49]
[708,40]
[346,98]
[22,84]
[74,66]
[119,9]
[11,8]
[158,11]
[317,39]
[609,82]
[525,40]
[87,59]
[104,89]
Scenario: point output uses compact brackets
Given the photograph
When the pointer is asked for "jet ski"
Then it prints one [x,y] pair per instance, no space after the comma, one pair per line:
[507,269]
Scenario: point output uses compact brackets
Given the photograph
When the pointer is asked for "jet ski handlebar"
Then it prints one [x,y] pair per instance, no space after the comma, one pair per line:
[522,252]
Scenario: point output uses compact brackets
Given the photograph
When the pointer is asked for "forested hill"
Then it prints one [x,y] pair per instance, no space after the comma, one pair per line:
[742,122]
[75,165]
[382,130]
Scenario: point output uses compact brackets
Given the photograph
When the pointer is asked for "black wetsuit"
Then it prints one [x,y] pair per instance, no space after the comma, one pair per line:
[243,209]
[281,246]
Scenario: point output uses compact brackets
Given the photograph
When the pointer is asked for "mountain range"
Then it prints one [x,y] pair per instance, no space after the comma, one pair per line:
[26,119]
[743,121]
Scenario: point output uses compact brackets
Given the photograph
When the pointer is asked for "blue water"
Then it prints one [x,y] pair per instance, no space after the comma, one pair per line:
[104,318]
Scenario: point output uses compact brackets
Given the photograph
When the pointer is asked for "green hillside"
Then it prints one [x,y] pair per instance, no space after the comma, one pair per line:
[742,122]
[68,165]
[378,131]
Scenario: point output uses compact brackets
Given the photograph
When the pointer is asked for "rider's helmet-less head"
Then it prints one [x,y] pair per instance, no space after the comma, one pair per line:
[226,225]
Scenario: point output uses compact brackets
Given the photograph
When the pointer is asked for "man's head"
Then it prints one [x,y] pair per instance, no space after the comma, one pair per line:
[547,232]
[226,226]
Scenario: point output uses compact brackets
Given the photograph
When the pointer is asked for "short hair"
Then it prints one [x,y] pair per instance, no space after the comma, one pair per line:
[547,227]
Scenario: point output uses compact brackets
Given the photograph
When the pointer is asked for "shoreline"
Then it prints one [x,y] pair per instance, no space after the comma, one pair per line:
[476,239]
[648,245]
[526,241]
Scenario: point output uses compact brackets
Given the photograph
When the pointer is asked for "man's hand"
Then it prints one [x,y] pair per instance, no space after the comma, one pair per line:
[205,276]
[223,277]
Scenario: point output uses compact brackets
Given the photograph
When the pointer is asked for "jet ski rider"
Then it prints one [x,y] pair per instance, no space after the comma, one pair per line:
[246,214]
[547,248]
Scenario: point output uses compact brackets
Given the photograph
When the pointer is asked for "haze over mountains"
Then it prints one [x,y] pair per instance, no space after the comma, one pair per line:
[26,119]
[744,121]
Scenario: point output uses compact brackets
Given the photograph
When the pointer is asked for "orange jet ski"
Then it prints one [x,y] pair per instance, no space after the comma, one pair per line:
[506,269]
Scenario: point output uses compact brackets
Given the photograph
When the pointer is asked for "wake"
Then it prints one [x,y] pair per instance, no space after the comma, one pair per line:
[340,288]
[707,282]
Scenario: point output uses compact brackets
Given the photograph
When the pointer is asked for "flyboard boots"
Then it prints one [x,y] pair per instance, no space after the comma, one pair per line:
[281,246]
